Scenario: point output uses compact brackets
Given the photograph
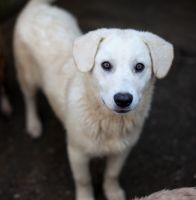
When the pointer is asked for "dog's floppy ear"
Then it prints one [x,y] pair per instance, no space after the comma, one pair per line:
[161,52]
[85,48]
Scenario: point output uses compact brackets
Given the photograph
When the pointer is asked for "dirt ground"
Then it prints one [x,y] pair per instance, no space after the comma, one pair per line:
[165,156]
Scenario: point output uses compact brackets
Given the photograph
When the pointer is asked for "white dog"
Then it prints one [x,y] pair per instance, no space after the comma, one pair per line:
[99,85]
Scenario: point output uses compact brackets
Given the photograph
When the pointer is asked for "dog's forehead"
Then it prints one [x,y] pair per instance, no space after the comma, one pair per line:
[123,46]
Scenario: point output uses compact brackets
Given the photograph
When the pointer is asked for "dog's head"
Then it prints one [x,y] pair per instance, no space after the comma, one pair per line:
[122,63]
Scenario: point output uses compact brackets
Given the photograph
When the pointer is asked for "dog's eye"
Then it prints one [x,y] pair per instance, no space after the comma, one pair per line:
[139,67]
[107,66]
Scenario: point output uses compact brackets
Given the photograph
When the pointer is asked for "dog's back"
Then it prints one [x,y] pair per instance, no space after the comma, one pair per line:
[46,32]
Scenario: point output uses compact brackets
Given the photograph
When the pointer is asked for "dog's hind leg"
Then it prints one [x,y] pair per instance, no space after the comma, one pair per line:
[33,124]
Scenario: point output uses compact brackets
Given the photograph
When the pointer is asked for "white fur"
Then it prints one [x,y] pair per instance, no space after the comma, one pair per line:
[52,54]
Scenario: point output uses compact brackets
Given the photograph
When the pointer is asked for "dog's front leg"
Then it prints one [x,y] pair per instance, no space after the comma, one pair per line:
[80,169]
[114,165]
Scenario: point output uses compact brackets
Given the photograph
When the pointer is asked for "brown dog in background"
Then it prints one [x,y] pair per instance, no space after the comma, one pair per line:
[5,106]
[176,194]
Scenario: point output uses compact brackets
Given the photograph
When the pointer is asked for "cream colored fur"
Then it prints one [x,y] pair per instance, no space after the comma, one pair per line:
[52,54]
[175,194]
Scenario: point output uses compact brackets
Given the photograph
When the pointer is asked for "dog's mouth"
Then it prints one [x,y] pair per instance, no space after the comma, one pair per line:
[118,110]
[122,111]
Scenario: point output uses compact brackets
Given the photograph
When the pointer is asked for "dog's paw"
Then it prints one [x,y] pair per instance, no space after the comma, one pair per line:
[34,128]
[84,192]
[116,195]
[114,192]
[85,197]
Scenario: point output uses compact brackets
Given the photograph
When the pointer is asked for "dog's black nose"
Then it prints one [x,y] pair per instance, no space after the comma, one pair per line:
[123,99]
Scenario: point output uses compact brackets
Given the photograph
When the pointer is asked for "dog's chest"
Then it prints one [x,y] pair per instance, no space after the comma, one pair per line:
[104,136]
[113,136]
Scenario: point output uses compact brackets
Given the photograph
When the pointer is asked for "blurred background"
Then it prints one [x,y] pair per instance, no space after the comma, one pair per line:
[165,156]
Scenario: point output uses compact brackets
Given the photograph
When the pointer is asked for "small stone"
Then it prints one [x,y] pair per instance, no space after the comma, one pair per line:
[16,196]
